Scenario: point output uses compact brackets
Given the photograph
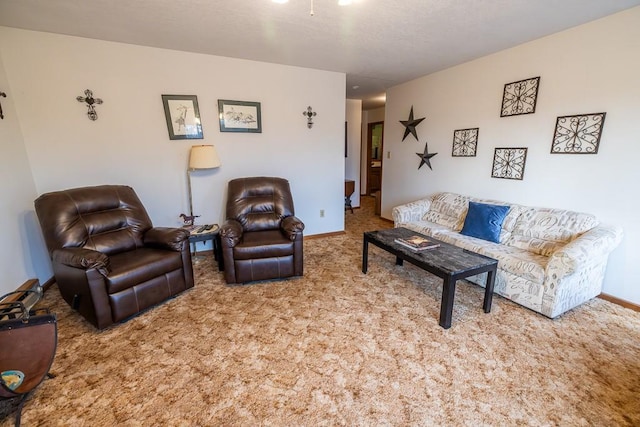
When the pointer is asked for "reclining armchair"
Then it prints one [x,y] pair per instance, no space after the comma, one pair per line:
[108,260]
[261,238]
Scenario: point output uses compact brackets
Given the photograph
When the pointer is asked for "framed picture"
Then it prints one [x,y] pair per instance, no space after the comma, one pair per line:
[520,97]
[183,116]
[508,163]
[465,142]
[239,116]
[578,134]
[345,139]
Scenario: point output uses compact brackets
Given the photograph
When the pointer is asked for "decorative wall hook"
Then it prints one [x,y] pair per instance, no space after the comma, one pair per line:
[2,95]
[309,114]
[90,100]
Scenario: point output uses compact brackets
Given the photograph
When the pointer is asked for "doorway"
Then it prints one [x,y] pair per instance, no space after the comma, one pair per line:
[375,146]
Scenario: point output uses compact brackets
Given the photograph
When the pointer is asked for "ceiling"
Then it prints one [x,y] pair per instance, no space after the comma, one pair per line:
[377,43]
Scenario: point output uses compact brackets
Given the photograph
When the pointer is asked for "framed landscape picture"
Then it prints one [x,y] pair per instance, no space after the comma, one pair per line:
[239,116]
[183,116]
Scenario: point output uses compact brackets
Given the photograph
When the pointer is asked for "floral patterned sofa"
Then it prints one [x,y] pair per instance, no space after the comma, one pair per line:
[549,260]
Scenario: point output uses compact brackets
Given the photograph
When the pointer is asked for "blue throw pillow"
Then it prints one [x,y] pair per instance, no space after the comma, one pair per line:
[484,221]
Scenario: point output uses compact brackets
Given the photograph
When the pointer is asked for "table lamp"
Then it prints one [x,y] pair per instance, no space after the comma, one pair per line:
[201,157]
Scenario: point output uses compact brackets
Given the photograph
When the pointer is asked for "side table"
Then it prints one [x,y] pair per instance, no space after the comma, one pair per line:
[214,236]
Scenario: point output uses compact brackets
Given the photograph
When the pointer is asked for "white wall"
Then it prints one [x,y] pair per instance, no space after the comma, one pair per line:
[588,69]
[129,143]
[18,262]
[352,161]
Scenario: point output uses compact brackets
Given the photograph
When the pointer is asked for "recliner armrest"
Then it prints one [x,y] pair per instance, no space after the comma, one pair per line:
[291,226]
[231,233]
[82,258]
[167,238]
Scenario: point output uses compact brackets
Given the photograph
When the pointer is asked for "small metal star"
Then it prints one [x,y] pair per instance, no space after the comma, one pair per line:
[410,125]
[425,158]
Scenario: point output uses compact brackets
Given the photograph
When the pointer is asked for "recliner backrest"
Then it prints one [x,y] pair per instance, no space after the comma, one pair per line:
[107,218]
[259,203]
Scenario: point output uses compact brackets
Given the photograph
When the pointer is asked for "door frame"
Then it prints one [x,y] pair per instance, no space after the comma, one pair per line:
[369,141]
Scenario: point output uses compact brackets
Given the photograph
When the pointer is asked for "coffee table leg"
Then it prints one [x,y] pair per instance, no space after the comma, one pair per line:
[365,254]
[488,292]
[399,261]
[446,306]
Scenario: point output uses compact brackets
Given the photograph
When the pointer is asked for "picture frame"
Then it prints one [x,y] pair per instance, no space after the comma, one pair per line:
[183,116]
[465,142]
[345,140]
[520,97]
[579,134]
[509,163]
[239,116]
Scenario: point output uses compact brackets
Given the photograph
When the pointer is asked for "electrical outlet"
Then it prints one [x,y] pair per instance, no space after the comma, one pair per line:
[321,213]
[388,154]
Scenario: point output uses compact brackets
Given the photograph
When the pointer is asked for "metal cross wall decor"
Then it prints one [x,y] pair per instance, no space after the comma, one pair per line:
[578,134]
[2,95]
[309,114]
[90,100]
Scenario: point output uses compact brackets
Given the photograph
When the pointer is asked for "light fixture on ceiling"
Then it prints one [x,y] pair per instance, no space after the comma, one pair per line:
[340,2]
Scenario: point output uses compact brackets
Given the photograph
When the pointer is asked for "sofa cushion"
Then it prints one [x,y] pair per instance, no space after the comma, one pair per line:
[516,261]
[544,231]
[448,209]
[510,220]
[484,221]
[424,227]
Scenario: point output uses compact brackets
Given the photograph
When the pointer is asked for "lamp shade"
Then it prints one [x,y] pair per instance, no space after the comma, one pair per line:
[204,157]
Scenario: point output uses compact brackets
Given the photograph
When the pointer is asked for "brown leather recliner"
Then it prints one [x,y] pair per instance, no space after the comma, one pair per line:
[109,262]
[261,238]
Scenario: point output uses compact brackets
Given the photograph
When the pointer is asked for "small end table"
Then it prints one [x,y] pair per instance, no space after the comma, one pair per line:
[205,236]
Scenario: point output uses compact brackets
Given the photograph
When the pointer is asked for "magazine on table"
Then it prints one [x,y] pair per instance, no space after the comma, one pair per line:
[201,229]
[417,243]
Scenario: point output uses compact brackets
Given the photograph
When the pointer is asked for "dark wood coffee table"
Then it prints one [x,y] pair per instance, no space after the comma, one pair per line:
[448,262]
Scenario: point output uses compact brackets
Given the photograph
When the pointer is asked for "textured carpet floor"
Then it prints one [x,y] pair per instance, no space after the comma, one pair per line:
[338,347]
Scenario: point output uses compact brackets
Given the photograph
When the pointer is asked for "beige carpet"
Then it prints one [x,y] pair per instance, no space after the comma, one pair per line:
[338,347]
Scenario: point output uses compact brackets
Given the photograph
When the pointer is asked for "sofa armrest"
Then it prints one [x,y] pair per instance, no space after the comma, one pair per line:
[594,244]
[292,227]
[410,212]
[82,258]
[167,238]
[231,233]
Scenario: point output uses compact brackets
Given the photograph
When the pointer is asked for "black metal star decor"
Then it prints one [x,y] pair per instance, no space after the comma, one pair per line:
[410,125]
[90,100]
[425,158]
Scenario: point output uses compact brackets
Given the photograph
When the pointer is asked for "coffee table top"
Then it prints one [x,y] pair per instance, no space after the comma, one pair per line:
[447,259]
